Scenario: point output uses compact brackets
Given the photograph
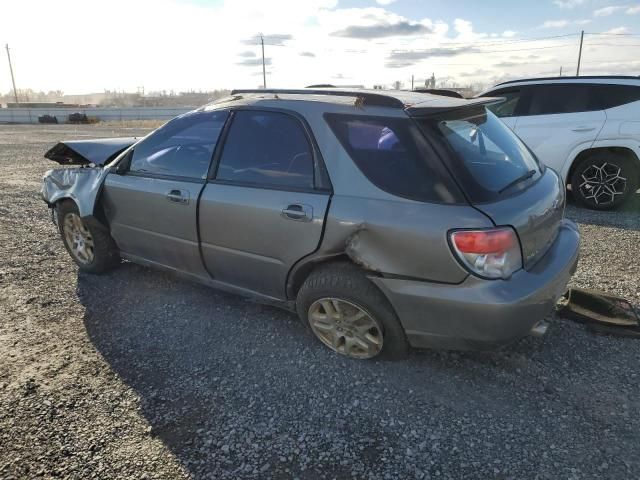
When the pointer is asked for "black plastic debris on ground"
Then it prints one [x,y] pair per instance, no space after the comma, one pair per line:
[600,312]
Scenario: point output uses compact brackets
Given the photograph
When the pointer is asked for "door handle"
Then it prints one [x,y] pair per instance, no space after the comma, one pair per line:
[583,129]
[298,212]
[178,196]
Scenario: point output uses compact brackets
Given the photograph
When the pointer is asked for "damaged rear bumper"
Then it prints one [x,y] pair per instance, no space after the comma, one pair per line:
[481,314]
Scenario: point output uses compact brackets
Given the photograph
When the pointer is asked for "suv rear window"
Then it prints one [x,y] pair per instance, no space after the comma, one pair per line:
[487,157]
[390,152]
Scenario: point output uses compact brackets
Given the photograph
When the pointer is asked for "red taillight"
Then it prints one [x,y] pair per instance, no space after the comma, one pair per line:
[483,241]
[490,253]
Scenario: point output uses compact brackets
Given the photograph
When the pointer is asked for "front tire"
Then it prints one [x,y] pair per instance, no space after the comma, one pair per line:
[88,242]
[604,181]
[350,315]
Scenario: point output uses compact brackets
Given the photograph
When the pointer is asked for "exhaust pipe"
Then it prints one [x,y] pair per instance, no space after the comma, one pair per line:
[540,328]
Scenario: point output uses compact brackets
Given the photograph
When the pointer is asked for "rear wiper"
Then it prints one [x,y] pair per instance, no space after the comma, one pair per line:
[521,178]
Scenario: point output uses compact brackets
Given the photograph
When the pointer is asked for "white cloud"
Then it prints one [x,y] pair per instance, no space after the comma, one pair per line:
[555,24]
[606,11]
[207,47]
[632,10]
[568,3]
[564,23]
[385,2]
[617,30]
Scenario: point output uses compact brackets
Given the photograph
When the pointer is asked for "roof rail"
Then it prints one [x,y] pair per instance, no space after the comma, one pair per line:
[368,98]
[581,77]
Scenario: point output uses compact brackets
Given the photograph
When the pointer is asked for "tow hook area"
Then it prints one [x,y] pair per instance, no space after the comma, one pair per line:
[600,312]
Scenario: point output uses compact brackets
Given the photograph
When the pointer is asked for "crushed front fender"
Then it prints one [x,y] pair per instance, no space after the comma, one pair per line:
[82,185]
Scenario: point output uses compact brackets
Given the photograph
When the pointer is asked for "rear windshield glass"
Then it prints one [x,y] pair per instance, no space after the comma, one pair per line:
[488,159]
[391,154]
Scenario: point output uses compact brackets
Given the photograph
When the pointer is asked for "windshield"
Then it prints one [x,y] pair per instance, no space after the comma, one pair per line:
[490,159]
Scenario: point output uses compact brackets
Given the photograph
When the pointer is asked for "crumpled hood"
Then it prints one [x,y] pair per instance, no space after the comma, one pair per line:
[83,152]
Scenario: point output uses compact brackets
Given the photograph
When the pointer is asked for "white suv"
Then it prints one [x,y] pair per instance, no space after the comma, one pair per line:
[585,128]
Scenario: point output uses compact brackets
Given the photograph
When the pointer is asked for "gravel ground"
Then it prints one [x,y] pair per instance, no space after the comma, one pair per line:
[137,374]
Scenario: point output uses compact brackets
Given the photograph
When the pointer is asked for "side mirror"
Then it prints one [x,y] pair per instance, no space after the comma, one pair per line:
[123,165]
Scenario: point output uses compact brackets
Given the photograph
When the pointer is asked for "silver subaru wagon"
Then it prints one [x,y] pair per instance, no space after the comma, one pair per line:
[385,219]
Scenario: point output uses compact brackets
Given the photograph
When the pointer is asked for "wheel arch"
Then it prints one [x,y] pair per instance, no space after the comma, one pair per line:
[301,271]
[618,150]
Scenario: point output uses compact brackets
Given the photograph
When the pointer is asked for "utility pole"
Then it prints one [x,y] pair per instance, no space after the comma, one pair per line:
[13,80]
[560,70]
[264,74]
[411,82]
[580,54]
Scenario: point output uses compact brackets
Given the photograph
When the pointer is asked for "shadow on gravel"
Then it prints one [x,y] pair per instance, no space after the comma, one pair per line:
[240,390]
[626,217]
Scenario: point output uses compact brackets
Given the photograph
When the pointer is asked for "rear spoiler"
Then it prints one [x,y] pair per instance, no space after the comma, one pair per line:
[439,105]
[84,152]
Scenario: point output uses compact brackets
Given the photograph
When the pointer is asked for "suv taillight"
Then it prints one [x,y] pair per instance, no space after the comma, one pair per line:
[492,253]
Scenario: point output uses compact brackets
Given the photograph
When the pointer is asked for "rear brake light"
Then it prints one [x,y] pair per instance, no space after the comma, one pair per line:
[491,253]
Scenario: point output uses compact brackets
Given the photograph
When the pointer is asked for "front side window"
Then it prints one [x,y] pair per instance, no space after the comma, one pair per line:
[488,157]
[391,154]
[507,108]
[267,149]
[183,147]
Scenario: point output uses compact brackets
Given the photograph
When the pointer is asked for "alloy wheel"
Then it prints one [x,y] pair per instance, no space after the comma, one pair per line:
[78,238]
[346,328]
[601,183]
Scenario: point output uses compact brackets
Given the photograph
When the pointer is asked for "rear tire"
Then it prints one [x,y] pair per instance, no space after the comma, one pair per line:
[350,315]
[88,242]
[604,181]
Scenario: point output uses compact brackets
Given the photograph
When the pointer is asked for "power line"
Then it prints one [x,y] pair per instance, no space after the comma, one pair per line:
[502,42]
[525,49]
[612,44]
[615,34]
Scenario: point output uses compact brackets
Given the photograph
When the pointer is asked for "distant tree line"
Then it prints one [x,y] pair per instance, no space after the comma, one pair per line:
[112,98]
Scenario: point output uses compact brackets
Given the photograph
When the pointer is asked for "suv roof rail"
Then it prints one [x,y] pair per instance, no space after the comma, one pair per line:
[368,97]
[582,77]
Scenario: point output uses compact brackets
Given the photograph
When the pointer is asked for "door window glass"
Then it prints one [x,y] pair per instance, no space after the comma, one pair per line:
[559,98]
[183,147]
[508,107]
[267,148]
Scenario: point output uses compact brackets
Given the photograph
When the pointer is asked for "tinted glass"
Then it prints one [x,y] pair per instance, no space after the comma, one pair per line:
[267,148]
[182,147]
[559,98]
[508,107]
[487,157]
[388,152]
[609,96]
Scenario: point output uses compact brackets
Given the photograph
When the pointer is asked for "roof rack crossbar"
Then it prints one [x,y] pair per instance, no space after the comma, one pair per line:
[368,98]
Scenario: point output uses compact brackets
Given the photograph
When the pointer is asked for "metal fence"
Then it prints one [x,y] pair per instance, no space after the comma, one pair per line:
[30,115]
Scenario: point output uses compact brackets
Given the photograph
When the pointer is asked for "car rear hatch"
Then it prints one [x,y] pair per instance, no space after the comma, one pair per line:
[500,176]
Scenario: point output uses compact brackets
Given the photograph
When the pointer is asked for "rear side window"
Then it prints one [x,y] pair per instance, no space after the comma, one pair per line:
[559,98]
[182,147]
[267,149]
[390,153]
[610,96]
[508,107]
